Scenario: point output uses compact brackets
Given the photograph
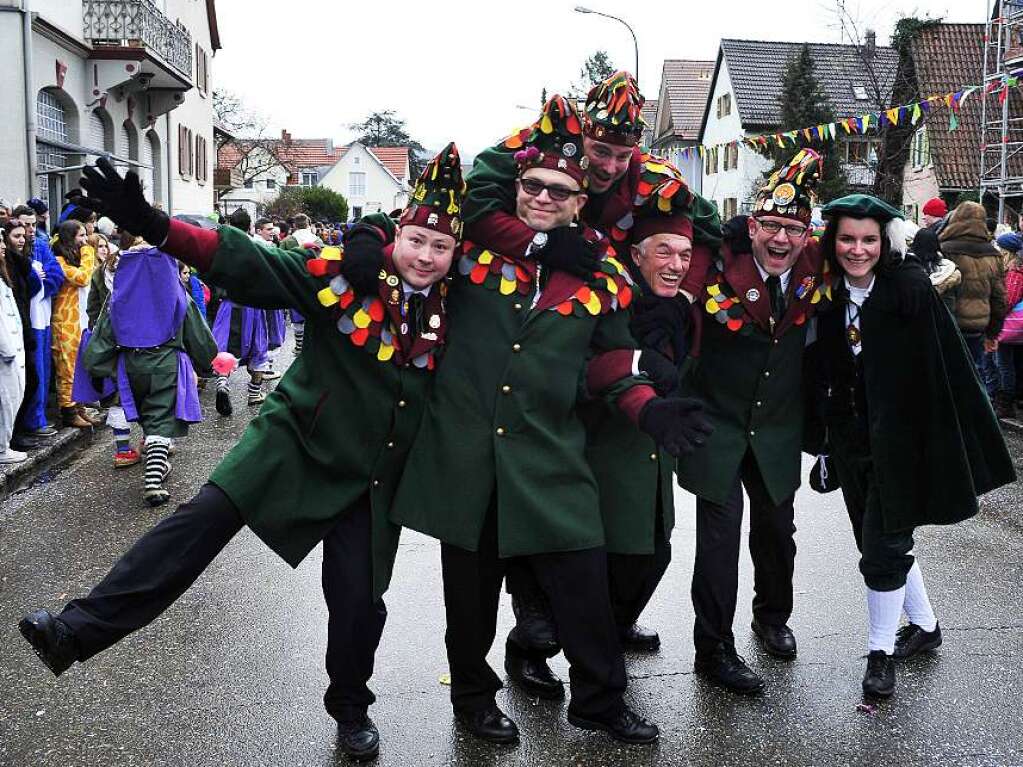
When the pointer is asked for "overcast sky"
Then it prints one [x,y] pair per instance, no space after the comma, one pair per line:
[460,70]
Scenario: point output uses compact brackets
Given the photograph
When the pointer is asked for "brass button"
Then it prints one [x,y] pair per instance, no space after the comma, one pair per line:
[518,307]
[376,483]
[752,433]
[506,389]
[759,403]
[767,374]
[776,340]
[500,432]
[516,347]
[401,403]
[390,446]
[653,456]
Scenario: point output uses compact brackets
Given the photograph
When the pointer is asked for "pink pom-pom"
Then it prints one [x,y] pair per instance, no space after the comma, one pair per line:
[224,364]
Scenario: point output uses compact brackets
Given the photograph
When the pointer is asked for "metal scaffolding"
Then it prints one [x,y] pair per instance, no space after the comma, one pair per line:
[1001,146]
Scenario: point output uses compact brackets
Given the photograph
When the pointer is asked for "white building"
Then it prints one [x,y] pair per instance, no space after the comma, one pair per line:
[131,78]
[745,100]
[372,179]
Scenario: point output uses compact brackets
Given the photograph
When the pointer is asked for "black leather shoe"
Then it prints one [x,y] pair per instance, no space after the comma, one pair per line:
[624,725]
[224,406]
[532,674]
[51,638]
[359,739]
[534,627]
[489,724]
[879,681]
[639,638]
[726,669]
[778,641]
[913,640]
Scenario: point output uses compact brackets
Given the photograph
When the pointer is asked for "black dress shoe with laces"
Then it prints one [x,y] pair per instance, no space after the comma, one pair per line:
[778,641]
[359,738]
[623,724]
[224,406]
[532,673]
[725,668]
[51,638]
[534,626]
[489,724]
[639,638]
[879,681]
[913,640]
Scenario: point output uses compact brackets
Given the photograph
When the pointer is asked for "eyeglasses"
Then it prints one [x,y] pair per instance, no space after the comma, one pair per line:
[532,187]
[773,227]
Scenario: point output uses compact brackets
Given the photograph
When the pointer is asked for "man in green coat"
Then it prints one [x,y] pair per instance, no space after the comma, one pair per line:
[498,470]
[339,427]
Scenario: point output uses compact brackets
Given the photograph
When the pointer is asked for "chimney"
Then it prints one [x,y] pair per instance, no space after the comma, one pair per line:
[870,44]
[285,137]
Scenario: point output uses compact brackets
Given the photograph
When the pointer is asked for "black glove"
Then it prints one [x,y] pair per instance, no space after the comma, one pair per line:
[363,259]
[912,286]
[676,424]
[660,322]
[121,200]
[659,369]
[567,251]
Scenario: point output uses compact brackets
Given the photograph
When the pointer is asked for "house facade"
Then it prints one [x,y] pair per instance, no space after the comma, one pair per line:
[679,115]
[745,100]
[131,78]
[372,179]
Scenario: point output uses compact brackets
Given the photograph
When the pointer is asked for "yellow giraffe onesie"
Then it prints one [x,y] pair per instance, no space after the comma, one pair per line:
[67,321]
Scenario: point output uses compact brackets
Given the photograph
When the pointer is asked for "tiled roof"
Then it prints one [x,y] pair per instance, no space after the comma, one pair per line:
[946,57]
[649,111]
[756,68]
[294,154]
[394,158]
[688,84]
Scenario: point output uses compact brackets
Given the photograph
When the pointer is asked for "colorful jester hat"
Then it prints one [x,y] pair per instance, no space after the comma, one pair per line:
[555,141]
[665,208]
[792,190]
[437,199]
[613,111]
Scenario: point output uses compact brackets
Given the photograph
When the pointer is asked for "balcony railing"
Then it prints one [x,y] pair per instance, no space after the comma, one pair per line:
[138,22]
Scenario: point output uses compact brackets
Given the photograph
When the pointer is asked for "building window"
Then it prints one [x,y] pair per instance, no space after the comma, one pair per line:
[357,184]
[186,160]
[51,121]
[857,152]
[712,161]
[921,149]
[310,178]
[201,161]
[724,105]
[730,209]
[271,183]
[202,70]
[356,213]
[248,183]
[859,92]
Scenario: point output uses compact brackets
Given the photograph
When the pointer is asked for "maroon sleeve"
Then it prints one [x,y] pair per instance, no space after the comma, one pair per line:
[631,402]
[191,244]
[608,368]
[501,232]
[697,274]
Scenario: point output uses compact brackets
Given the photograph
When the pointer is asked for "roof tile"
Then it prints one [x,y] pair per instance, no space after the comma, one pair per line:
[687,84]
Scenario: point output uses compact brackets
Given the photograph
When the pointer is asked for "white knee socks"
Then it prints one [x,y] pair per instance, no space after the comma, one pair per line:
[916,605]
[884,609]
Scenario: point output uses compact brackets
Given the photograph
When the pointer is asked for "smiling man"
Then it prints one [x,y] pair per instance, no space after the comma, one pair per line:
[338,427]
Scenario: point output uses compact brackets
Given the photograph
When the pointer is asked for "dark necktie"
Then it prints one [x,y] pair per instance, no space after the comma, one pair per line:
[414,315]
[777,297]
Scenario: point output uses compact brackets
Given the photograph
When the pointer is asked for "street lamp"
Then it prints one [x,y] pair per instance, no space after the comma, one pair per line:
[583,9]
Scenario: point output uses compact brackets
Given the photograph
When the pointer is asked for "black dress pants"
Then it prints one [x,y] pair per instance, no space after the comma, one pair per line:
[716,570]
[575,584]
[356,620]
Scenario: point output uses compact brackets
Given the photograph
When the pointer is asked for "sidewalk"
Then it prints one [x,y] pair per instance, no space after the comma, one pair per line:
[64,446]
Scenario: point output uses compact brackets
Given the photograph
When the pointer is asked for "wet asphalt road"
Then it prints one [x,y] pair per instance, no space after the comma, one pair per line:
[232,674]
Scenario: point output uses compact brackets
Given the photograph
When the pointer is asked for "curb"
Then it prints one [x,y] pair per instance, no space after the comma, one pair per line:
[20,476]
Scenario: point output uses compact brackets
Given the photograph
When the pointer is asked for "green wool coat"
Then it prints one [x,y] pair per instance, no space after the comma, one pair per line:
[502,419]
[935,443]
[749,374]
[340,422]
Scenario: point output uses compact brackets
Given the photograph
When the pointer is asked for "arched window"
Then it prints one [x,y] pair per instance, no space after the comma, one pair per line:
[56,124]
[128,145]
[101,130]
[152,176]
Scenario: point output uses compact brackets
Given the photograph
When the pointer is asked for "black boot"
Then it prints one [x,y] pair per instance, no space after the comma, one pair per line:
[489,724]
[534,626]
[879,681]
[224,406]
[913,640]
[726,669]
[359,738]
[624,724]
[639,638]
[776,640]
[51,638]
[531,672]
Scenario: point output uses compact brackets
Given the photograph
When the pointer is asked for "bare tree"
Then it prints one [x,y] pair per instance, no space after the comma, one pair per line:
[247,136]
